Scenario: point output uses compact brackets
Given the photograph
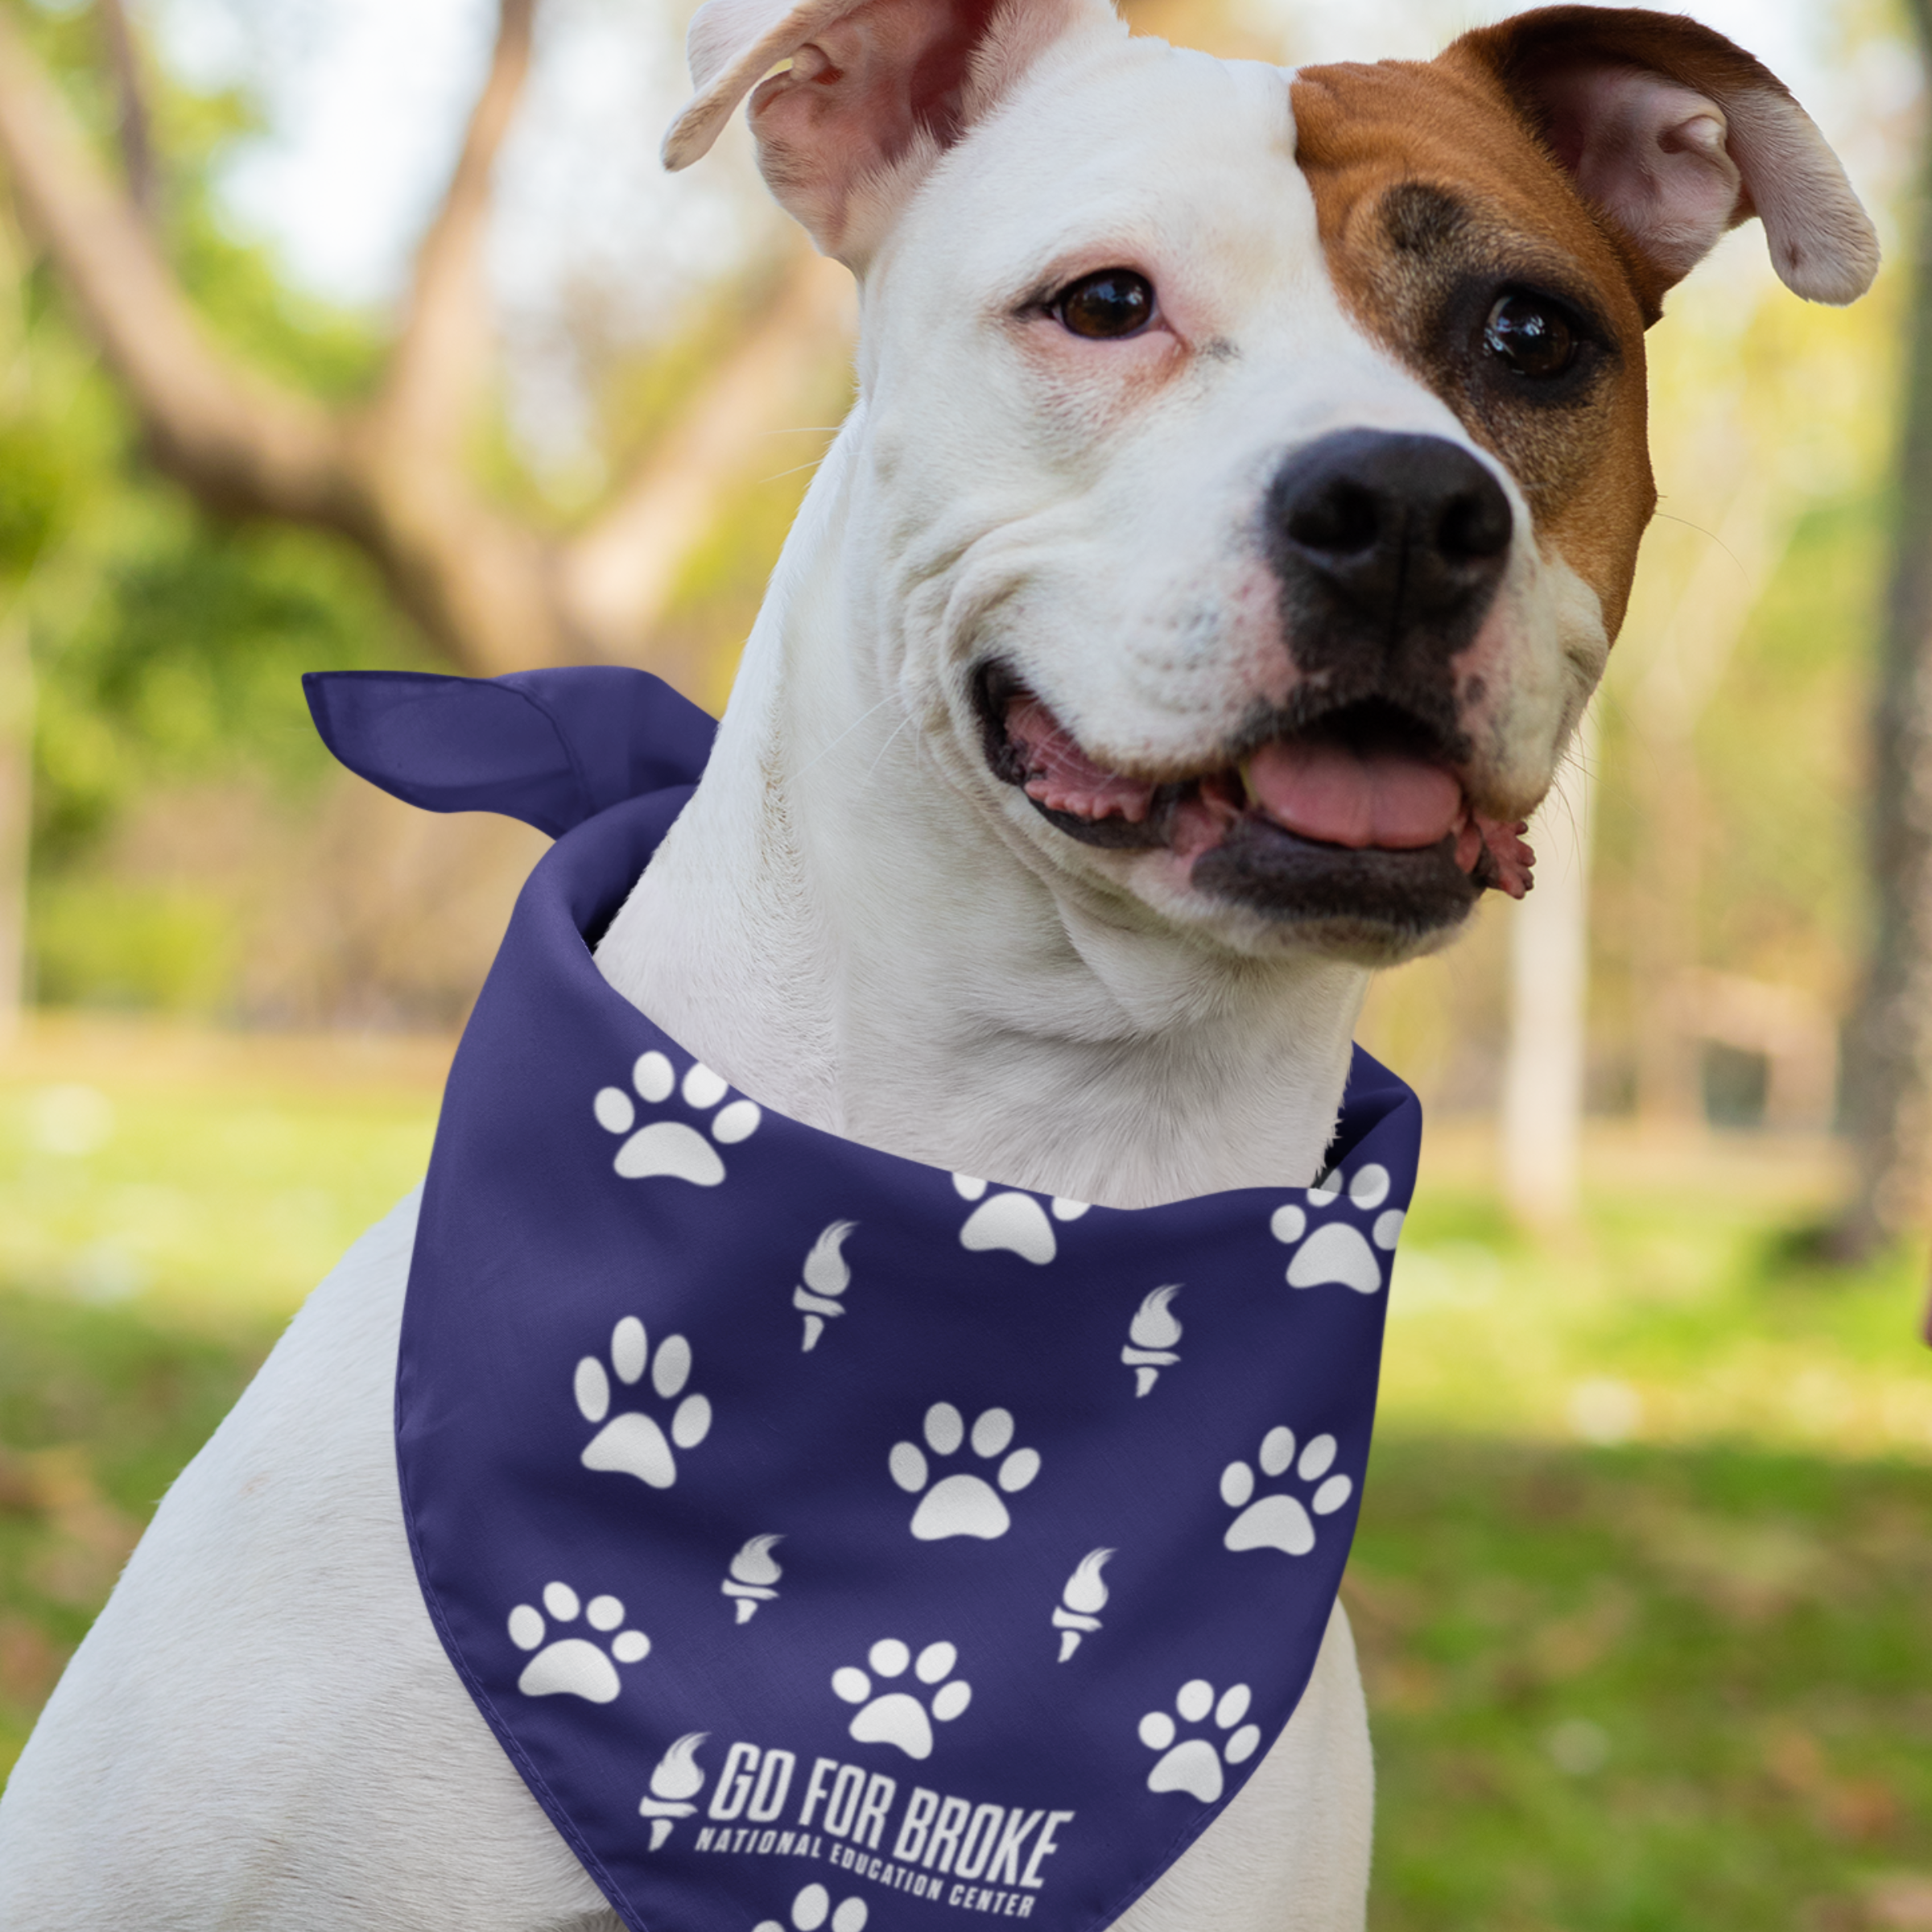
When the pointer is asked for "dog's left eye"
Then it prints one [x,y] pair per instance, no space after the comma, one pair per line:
[1115,302]
[1535,337]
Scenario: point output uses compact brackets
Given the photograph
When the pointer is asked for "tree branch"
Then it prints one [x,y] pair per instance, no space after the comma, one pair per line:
[235,441]
[477,584]
[619,575]
[494,594]
[443,353]
[137,143]
[480,584]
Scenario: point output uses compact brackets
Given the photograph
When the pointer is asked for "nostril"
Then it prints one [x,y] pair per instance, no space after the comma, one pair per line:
[1409,534]
[1343,520]
[1475,525]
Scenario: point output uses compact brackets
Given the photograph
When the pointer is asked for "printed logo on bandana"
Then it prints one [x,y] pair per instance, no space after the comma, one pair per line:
[1193,1764]
[1150,1339]
[631,1441]
[1336,1252]
[672,1149]
[827,1278]
[574,1665]
[1077,1614]
[973,1856]
[753,1571]
[1013,1221]
[1280,1521]
[678,1778]
[962,1504]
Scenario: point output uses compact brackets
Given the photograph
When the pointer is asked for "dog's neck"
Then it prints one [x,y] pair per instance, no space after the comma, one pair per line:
[838,929]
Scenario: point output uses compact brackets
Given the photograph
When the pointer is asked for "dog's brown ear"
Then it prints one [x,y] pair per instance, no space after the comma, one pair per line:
[874,88]
[1674,135]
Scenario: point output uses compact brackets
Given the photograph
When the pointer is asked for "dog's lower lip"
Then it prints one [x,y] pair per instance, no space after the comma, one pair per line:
[1360,783]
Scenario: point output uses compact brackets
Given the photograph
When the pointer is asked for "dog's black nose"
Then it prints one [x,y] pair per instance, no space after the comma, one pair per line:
[1404,535]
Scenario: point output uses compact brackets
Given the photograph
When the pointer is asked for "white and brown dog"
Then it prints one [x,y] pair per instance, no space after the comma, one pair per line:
[1242,496]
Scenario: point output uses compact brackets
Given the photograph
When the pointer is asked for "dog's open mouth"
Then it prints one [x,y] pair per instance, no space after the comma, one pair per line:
[1358,815]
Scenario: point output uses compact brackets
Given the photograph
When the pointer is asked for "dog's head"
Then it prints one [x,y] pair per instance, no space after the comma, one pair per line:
[1253,461]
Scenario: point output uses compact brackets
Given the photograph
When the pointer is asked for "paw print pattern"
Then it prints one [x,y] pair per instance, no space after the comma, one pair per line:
[813,1907]
[574,1666]
[1280,1521]
[962,1504]
[1193,1764]
[632,1442]
[673,1148]
[1336,1252]
[899,1717]
[1013,1221]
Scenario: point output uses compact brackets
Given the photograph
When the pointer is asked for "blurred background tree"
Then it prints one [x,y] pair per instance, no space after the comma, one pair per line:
[1888,1087]
[349,492]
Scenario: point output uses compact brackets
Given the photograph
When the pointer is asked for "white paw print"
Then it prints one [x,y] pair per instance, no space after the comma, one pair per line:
[811,1909]
[632,1442]
[671,1147]
[1336,1252]
[1016,1222]
[1280,1521]
[1194,1764]
[899,1717]
[962,1504]
[574,1664]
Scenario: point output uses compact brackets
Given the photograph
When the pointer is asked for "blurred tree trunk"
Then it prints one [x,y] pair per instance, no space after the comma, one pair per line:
[16,812]
[134,125]
[492,592]
[1677,670]
[1888,1050]
[1544,1069]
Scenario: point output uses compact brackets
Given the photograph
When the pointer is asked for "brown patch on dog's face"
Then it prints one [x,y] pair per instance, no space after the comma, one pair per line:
[1435,202]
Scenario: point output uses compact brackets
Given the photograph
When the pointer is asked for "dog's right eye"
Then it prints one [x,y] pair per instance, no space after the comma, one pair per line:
[1115,302]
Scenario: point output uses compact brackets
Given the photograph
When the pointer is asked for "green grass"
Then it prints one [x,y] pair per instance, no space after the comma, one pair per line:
[212,1176]
[1644,1690]
[1644,1584]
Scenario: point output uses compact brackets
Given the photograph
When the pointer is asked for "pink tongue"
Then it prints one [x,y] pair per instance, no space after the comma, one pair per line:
[1328,792]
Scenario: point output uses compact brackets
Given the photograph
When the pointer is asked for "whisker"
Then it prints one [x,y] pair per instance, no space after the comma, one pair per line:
[842,737]
[794,469]
[883,749]
[1685,523]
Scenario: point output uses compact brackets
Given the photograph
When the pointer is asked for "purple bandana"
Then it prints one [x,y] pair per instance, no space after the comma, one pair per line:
[831,1540]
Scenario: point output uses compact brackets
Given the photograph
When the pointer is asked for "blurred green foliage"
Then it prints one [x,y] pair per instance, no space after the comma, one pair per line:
[186,662]
[119,943]
[166,645]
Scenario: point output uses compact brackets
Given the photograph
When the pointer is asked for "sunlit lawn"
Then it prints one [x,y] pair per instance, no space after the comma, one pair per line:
[1644,1585]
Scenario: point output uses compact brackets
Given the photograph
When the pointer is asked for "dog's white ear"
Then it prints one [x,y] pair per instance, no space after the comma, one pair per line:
[1675,135]
[874,89]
